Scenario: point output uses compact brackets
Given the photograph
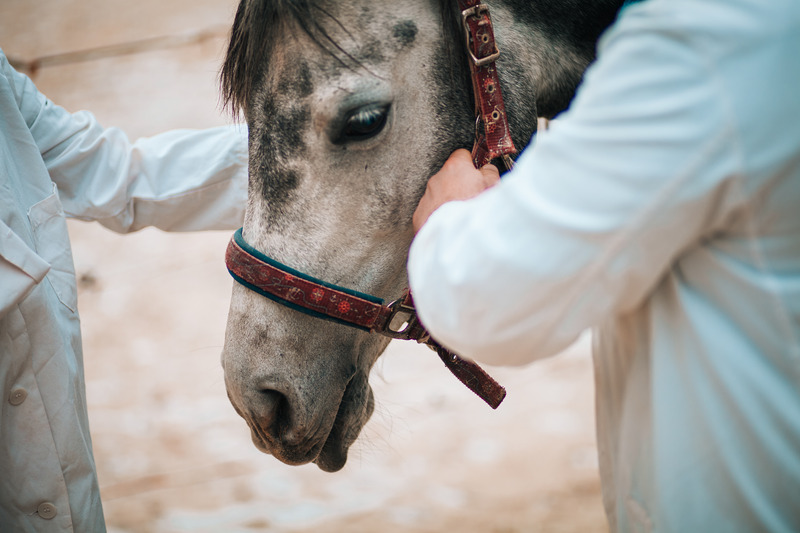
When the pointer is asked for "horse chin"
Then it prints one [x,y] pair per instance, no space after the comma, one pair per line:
[330,454]
[330,457]
[286,455]
[355,409]
[333,456]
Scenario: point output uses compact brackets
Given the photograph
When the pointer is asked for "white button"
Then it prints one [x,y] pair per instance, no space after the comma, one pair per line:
[17,396]
[46,510]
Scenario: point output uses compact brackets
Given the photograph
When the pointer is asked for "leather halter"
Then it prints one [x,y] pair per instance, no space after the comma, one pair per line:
[398,319]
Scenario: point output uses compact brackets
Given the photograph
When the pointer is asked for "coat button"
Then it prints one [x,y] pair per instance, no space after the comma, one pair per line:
[46,510]
[17,396]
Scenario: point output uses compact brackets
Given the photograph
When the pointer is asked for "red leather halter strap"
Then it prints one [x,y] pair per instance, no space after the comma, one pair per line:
[493,140]
[304,293]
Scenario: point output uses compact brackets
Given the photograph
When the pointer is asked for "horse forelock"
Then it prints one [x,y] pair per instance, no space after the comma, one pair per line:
[256,29]
[259,25]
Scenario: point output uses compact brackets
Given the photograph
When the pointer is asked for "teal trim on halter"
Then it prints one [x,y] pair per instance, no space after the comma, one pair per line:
[258,255]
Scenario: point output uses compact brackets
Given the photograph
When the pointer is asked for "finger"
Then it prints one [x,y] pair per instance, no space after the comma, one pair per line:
[491,174]
[459,161]
[461,155]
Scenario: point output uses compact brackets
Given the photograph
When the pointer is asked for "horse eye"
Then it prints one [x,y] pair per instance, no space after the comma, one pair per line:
[365,122]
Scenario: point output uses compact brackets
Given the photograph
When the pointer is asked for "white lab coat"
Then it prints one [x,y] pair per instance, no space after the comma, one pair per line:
[53,165]
[662,209]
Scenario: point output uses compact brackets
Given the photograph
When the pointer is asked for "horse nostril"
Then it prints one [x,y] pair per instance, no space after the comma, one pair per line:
[271,410]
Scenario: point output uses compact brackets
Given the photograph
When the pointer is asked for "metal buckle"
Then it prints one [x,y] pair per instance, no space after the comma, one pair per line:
[476,11]
[401,322]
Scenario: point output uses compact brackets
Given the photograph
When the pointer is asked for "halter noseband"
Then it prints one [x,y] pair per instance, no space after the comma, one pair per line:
[398,319]
[320,299]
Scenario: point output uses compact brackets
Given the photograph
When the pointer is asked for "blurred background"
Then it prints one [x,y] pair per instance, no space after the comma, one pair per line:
[172,456]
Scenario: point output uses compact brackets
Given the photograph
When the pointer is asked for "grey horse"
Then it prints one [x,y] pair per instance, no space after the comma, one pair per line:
[351,107]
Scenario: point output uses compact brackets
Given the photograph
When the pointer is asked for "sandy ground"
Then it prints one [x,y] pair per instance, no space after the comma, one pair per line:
[172,456]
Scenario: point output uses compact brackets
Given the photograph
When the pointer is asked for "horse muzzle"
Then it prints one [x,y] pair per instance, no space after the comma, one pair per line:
[298,430]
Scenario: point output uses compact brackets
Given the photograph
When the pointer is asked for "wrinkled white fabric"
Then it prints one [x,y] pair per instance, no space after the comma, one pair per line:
[662,209]
[54,164]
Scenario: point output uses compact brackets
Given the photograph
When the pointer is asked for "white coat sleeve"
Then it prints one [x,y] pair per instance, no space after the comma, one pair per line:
[643,164]
[181,180]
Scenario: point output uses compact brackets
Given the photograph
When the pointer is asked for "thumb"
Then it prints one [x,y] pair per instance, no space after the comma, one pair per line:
[490,175]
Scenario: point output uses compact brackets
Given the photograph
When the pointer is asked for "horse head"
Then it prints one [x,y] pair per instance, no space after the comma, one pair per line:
[351,107]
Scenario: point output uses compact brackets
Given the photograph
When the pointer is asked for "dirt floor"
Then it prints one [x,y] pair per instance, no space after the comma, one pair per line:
[172,456]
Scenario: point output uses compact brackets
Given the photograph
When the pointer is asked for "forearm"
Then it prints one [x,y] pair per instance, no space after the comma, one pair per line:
[183,180]
[485,290]
[178,181]
[591,217]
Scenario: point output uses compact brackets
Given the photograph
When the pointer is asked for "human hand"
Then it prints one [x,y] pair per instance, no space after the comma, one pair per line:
[457,180]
